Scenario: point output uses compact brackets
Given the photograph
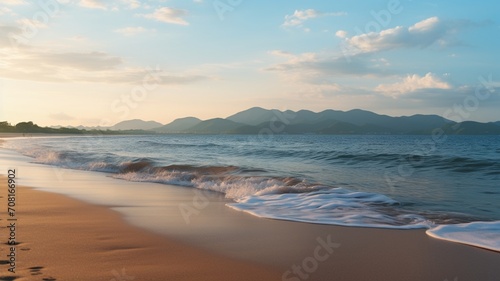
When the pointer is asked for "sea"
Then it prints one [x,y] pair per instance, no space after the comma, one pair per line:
[449,185]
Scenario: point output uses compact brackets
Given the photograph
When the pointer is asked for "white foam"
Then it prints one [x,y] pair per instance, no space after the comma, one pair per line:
[480,234]
[332,206]
[164,177]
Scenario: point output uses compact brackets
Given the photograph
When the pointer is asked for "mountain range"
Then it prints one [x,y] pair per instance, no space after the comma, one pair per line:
[135,124]
[257,120]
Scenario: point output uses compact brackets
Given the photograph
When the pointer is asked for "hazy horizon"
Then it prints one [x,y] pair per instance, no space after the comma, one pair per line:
[225,117]
[93,62]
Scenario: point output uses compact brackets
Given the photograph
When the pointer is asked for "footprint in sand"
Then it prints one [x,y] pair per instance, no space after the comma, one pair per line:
[36,270]
[17,243]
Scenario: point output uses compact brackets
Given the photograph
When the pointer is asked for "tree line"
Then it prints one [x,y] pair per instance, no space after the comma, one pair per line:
[30,127]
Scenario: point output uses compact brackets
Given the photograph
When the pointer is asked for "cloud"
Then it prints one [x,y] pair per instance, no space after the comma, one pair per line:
[96,72]
[93,61]
[132,4]
[34,63]
[422,34]
[96,67]
[8,36]
[14,2]
[412,83]
[168,15]
[140,76]
[341,34]
[6,11]
[32,23]
[61,116]
[317,65]
[447,98]
[131,31]
[300,16]
[281,53]
[109,5]
[93,4]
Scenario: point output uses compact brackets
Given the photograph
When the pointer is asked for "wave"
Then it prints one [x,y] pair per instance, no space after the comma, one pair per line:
[259,192]
[480,234]
[452,163]
[229,180]
[335,206]
[456,164]
[294,199]
[159,144]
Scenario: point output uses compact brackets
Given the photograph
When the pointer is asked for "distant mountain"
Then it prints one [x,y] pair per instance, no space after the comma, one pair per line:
[335,122]
[472,128]
[258,120]
[214,126]
[328,121]
[135,124]
[405,124]
[257,115]
[91,128]
[179,125]
[88,128]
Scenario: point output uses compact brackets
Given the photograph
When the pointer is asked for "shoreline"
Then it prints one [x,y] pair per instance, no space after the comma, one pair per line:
[64,239]
[291,250]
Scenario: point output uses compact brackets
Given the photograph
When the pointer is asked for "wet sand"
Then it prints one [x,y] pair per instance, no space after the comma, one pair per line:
[64,239]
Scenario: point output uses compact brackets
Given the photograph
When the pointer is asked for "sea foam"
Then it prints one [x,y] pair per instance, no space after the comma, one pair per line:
[335,206]
[480,234]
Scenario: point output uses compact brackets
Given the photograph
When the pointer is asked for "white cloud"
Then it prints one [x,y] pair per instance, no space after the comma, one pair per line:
[420,35]
[31,23]
[281,53]
[92,61]
[93,4]
[168,15]
[93,67]
[341,33]
[425,25]
[412,83]
[14,2]
[131,31]
[132,4]
[35,63]
[300,16]
[325,65]
[6,11]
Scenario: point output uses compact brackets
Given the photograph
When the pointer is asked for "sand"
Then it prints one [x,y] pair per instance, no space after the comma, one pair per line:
[64,239]
[362,254]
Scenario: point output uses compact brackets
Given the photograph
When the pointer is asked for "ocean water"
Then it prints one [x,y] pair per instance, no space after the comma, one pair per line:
[446,185]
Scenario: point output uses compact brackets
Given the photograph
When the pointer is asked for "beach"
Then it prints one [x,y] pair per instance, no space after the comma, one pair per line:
[249,140]
[66,239]
[84,225]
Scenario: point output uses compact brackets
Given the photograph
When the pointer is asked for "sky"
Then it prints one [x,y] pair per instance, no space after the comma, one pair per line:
[97,62]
